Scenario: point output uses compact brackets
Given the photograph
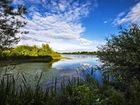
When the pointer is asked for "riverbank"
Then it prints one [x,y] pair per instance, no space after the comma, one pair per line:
[24,59]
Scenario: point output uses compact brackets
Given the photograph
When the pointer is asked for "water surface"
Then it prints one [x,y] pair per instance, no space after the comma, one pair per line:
[63,67]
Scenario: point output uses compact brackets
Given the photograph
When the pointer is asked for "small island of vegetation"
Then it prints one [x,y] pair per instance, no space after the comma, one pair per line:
[25,53]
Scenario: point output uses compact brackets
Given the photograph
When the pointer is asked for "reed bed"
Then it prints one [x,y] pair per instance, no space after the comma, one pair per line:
[74,91]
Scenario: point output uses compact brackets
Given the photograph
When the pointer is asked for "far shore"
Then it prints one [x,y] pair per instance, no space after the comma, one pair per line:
[29,59]
[26,59]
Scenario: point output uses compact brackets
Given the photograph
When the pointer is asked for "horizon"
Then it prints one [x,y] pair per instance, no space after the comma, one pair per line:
[75,25]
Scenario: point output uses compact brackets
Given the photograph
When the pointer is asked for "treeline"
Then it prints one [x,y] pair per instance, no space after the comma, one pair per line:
[83,52]
[28,52]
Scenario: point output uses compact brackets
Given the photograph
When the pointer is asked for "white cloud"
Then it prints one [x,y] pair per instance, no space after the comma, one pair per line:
[133,16]
[65,47]
[61,45]
[57,23]
[62,6]
[84,41]
[105,22]
[121,14]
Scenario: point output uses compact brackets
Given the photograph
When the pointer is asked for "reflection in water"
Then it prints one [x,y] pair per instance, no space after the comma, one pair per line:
[87,62]
[64,67]
[76,61]
[32,71]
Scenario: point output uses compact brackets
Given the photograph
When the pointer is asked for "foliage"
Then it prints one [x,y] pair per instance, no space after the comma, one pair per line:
[121,62]
[73,92]
[10,23]
[28,52]
[120,54]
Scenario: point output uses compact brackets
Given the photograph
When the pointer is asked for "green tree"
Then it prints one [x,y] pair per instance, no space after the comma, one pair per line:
[9,23]
[121,55]
[32,51]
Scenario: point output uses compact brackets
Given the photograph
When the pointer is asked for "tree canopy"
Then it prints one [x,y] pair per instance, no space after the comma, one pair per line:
[121,54]
[10,22]
[30,51]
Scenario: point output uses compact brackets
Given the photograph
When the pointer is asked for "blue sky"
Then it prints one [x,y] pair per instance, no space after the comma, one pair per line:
[76,25]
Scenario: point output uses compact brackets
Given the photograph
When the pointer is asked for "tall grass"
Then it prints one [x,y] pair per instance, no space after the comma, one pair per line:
[74,91]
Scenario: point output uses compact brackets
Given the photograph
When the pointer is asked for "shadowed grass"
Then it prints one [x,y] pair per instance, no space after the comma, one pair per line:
[74,91]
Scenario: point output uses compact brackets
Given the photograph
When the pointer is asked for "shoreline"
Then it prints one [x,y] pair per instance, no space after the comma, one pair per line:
[42,59]
[47,59]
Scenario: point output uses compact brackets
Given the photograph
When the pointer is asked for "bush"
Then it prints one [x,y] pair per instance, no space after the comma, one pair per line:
[121,62]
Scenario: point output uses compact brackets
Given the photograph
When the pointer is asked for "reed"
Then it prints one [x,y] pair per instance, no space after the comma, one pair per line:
[74,91]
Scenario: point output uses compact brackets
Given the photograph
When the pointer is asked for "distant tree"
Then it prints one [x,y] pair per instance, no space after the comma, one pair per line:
[9,23]
[121,55]
[32,51]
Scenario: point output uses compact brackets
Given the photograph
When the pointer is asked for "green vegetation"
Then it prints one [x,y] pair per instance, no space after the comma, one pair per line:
[82,52]
[30,53]
[73,92]
[9,23]
[121,58]
[121,68]
[121,81]
[121,54]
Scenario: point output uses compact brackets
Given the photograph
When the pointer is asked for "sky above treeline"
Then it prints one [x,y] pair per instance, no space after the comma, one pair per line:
[76,25]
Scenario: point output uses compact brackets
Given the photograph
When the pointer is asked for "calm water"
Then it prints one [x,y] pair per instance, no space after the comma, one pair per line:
[64,67]
[76,61]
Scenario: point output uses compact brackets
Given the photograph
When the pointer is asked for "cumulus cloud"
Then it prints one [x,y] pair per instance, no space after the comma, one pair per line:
[133,16]
[57,22]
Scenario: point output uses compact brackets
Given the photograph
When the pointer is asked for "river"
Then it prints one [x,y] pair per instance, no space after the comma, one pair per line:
[63,67]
